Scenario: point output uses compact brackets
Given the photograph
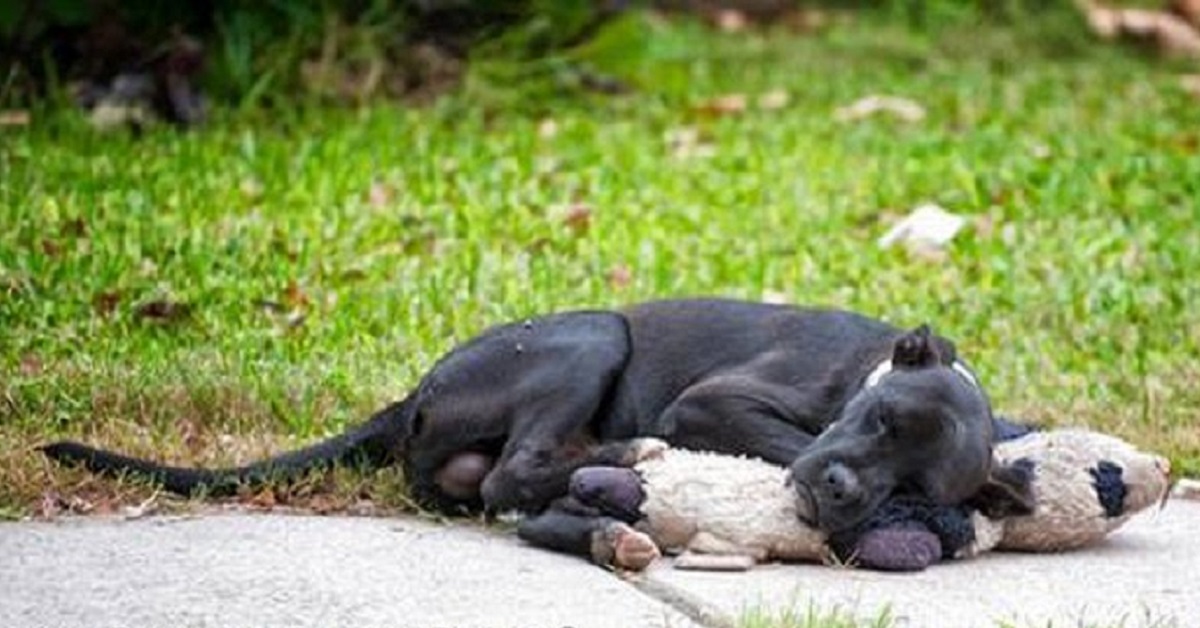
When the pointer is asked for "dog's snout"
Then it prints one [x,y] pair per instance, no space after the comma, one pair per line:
[840,484]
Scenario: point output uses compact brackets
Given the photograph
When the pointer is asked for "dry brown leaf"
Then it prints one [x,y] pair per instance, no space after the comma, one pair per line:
[162,311]
[578,218]
[619,276]
[324,504]
[730,20]
[724,105]
[50,248]
[106,302]
[901,108]
[295,296]
[31,365]
[379,194]
[262,500]
[14,117]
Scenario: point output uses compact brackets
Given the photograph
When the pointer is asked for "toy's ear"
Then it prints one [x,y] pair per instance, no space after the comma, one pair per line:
[1008,491]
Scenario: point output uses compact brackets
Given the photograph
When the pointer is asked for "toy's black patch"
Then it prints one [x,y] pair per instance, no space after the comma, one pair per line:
[951,524]
[1110,487]
[1025,465]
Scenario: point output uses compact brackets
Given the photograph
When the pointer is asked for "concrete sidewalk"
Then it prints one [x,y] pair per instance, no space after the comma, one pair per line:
[1147,574]
[259,571]
[277,570]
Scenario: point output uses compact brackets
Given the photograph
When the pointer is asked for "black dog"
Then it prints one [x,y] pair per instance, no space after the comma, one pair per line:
[858,408]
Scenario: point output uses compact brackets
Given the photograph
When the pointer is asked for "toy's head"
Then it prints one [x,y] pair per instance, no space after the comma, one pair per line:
[919,423]
[1086,485]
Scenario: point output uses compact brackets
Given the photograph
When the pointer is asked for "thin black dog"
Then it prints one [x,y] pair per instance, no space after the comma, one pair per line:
[859,409]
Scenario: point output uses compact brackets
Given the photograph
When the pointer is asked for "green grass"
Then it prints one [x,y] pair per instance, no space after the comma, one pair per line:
[1072,293]
[813,617]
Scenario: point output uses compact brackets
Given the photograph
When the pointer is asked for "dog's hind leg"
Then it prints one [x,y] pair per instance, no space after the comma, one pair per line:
[529,395]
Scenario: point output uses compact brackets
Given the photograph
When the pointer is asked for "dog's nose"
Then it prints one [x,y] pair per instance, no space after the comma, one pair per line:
[840,484]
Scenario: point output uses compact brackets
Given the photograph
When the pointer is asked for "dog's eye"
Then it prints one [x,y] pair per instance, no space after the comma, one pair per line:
[890,425]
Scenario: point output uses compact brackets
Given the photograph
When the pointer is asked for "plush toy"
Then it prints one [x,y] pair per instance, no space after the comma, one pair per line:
[724,512]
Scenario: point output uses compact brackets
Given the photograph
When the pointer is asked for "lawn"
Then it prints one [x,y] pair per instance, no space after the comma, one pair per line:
[318,261]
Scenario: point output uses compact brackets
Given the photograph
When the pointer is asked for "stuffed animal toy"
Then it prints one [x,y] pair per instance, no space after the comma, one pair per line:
[722,512]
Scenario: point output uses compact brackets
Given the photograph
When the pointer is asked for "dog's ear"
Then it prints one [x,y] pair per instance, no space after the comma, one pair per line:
[1008,491]
[920,348]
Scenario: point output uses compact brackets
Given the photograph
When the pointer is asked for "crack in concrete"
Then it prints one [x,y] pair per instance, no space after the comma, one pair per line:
[685,603]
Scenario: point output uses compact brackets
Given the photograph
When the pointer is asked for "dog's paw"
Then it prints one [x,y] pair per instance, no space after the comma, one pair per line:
[642,449]
[632,550]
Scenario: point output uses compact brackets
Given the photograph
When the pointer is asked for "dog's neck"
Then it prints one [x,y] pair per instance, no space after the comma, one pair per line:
[886,367]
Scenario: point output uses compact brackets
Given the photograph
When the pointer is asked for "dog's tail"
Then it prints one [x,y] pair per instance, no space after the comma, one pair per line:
[373,444]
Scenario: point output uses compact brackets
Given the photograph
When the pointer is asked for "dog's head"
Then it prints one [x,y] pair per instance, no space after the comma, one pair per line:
[918,423]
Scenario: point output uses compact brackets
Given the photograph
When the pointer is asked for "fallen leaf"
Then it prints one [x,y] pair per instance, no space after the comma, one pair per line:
[14,117]
[31,365]
[379,194]
[295,296]
[50,248]
[773,100]
[619,276]
[1170,33]
[162,311]
[324,504]
[730,20]
[263,500]
[723,105]
[106,302]
[547,129]
[578,218]
[902,108]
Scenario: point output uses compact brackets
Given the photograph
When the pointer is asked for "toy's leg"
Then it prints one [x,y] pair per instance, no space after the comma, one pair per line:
[614,491]
[604,540]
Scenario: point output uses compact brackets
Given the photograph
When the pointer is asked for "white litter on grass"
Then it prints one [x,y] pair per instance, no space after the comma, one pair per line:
[927,227]
[902,108]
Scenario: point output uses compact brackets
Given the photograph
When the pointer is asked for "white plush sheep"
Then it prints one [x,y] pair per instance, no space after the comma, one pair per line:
[702,504]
